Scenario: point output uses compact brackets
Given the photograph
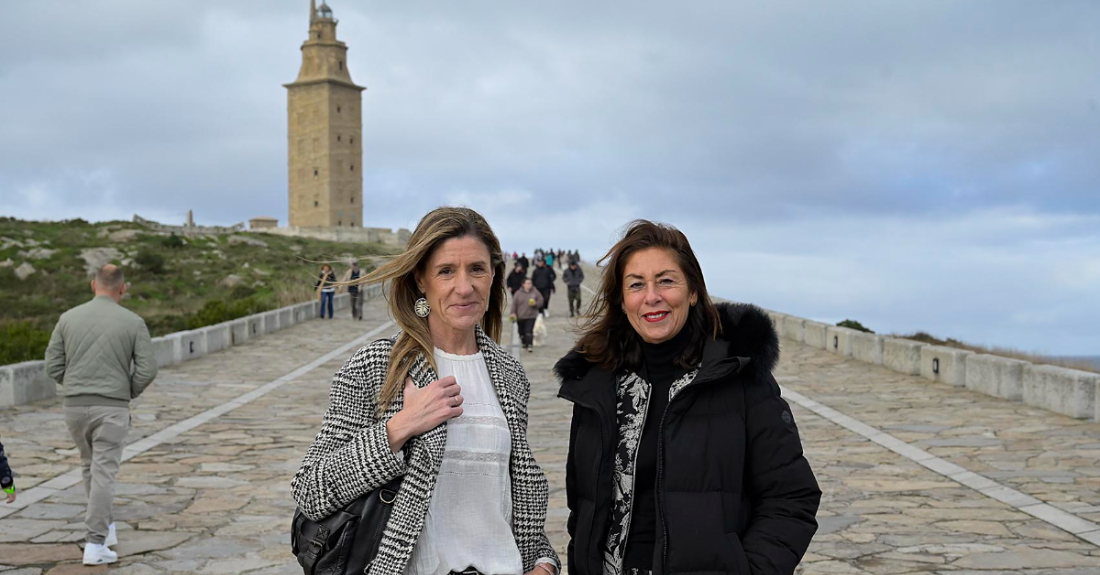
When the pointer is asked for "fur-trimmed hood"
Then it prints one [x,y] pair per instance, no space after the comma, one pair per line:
[747,332]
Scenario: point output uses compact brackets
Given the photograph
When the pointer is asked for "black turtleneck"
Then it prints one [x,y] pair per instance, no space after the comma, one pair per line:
[660,370]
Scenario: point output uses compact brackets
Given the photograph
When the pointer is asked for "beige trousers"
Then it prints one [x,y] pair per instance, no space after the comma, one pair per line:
[100,434]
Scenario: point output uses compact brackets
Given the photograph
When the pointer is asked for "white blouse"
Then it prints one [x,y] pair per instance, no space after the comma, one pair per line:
[469,522]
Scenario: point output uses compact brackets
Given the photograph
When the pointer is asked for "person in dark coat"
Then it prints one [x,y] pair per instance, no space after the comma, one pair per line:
[7,481]
[543,277]
[515,279]
[523,261]
[683,457]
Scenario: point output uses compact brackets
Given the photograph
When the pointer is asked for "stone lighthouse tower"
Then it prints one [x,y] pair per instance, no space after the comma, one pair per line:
[324,128]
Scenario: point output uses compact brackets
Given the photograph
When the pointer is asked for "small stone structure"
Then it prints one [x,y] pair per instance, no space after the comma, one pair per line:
[263,223]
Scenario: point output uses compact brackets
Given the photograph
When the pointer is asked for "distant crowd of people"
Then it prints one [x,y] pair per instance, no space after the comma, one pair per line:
[531,295]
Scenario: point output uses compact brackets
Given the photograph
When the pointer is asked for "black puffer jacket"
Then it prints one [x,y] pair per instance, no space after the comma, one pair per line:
[734,492]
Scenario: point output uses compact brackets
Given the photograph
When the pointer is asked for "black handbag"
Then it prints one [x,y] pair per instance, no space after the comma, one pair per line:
[345,542]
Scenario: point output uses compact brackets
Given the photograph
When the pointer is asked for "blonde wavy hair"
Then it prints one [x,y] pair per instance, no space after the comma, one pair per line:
[438,226]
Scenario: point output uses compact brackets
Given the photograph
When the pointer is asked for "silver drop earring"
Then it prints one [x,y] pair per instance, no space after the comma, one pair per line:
[421,308]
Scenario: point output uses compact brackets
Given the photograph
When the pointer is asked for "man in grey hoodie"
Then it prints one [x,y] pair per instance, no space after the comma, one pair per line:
[102,356]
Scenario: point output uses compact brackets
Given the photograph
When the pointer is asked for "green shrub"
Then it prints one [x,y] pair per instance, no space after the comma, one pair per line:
[22,341]
[151,262]
[241,291]
[173,241]
[217,311]
[853,324]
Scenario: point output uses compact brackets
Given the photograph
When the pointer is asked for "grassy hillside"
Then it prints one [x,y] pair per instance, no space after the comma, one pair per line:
[176,282]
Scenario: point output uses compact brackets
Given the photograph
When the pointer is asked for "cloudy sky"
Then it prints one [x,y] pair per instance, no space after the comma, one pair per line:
[921,165]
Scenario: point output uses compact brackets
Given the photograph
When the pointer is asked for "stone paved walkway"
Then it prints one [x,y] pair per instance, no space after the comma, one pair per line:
[215,499]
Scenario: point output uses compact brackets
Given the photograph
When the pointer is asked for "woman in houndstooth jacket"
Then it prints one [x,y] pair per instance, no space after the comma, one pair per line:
[443,405]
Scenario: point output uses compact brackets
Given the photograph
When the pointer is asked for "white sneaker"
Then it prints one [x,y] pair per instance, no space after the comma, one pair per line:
[96,554]
[112,536]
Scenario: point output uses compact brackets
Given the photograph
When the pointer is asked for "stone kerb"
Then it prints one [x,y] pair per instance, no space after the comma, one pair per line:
[793,328]
[837,340]
[814,334]
[255,325]
[301,312]
[902,355]
[191,344]
[218,337]
[946,364]
[167,349]
[341,302]
[1061,390]
[271,321]
[866,347]
[238,331]
[995,375]
[286,317]
[25,382]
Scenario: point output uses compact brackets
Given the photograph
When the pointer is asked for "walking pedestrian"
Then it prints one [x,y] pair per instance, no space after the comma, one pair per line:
[573,277]
[351,279]
[523,261]
[101,355]
[326,287]
[472,499]
[543,277]
[683,457]
[526,303]
[515,279]
[7,480]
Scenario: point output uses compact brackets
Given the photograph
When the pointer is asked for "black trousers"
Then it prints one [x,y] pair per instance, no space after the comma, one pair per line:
[545,298]
[526,330]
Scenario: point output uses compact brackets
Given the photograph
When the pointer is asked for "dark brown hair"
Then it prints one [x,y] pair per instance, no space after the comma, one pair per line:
[607,338]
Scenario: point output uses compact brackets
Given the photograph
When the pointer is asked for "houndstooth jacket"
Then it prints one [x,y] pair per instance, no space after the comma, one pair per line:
[351,455]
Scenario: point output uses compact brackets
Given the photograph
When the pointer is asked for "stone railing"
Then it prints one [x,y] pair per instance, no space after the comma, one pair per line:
[25,382]
[1067,391]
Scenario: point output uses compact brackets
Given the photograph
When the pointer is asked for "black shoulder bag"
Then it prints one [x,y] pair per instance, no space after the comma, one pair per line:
[345,542]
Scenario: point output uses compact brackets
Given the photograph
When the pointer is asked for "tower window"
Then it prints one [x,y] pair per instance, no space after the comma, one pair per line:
[337,138]
[339,223]
[318,35]
[337,109]
[315,204]
[353,199]
[352,224]
[352,139]
[314,172]
[341,64]
[353,167]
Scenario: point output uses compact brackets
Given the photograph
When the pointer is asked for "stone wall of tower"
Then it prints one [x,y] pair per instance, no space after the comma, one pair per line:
[324,129]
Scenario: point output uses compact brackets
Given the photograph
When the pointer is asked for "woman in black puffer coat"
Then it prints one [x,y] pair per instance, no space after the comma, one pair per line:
[683,457]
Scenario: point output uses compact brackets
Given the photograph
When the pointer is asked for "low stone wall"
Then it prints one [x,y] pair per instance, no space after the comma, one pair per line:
[26,382]
[1066,391]
[399,238]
